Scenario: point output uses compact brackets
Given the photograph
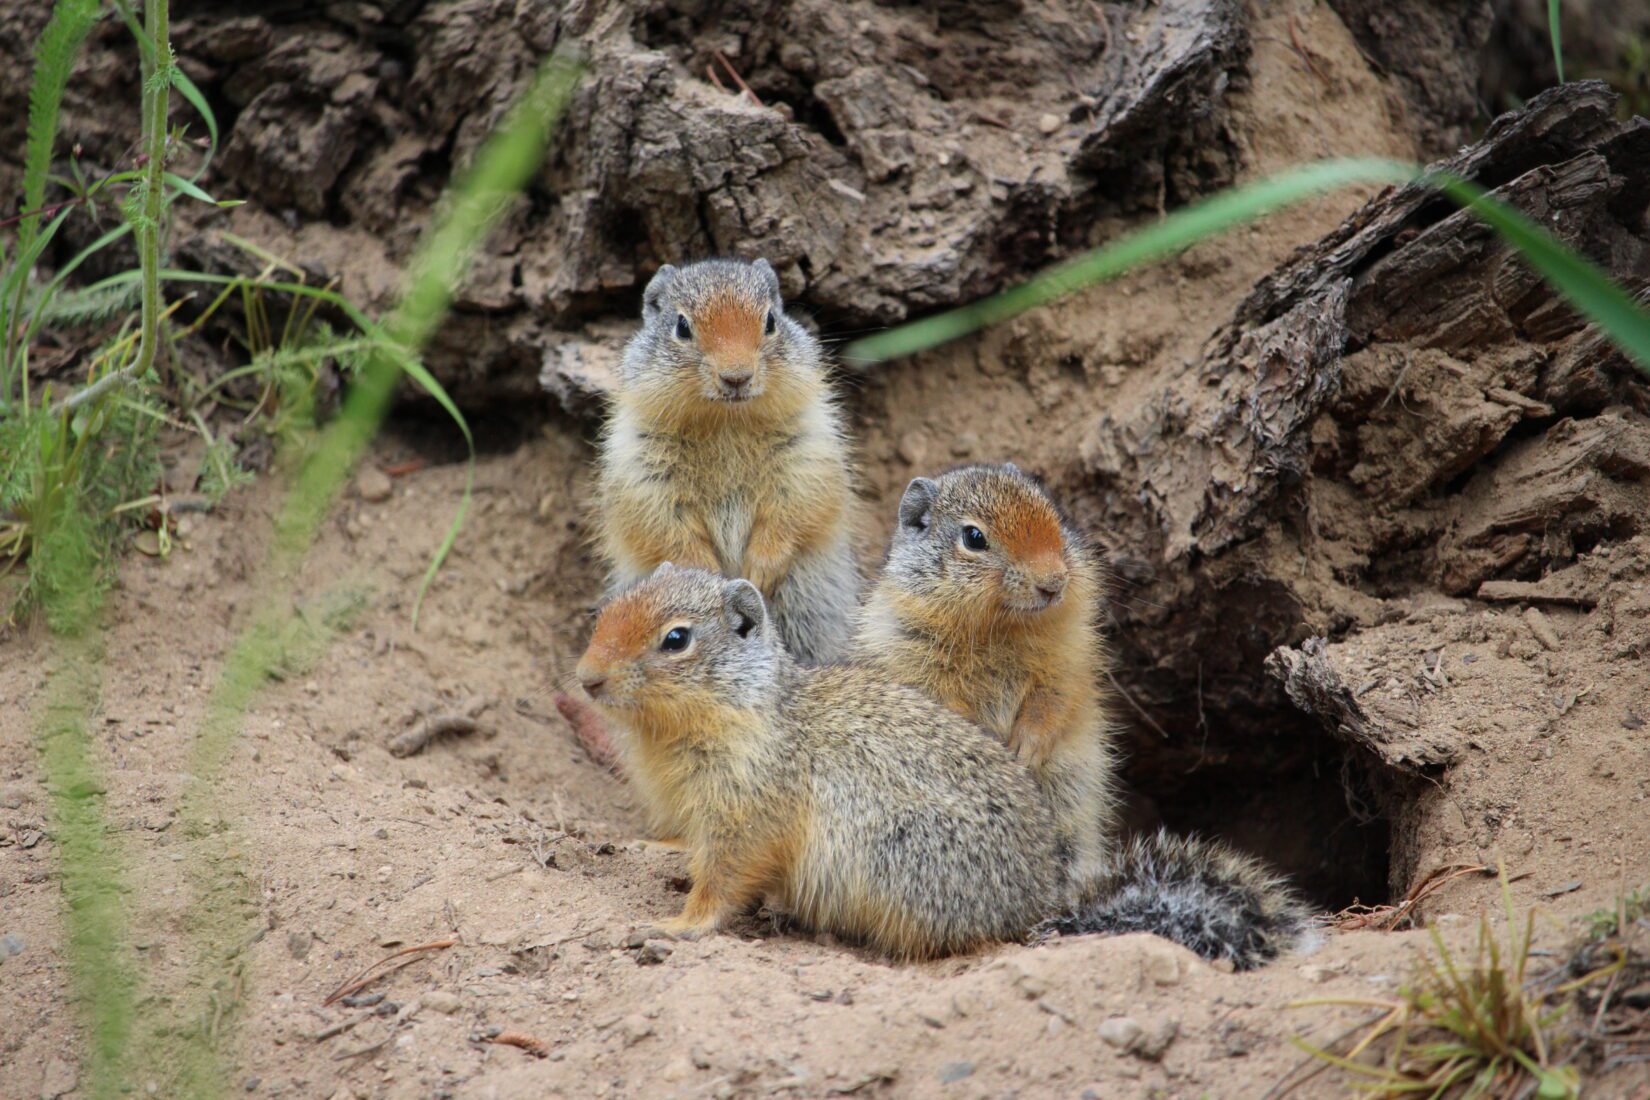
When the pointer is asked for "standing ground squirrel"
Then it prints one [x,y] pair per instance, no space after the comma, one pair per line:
[725,451]
[865,808]
[990,603]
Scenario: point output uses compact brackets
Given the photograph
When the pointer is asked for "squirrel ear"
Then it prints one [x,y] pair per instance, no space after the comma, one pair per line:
[745,609]
[917,502]
[655,291]
[769,277]
[664,567]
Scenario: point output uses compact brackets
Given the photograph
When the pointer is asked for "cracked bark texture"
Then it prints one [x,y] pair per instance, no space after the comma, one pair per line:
[1401,409]
[901,158]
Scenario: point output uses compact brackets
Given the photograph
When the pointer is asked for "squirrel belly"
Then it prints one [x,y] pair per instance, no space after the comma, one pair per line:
[725,450]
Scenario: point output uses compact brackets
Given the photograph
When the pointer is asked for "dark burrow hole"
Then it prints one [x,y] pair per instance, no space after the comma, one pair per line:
[1296,799]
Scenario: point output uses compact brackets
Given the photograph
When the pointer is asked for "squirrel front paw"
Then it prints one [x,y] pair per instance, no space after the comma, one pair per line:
[680,928]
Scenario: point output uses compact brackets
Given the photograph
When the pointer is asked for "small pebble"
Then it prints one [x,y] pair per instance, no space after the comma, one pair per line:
[60,1078]
[1121,1032]
[373,485]
[11,944]
[298,944]
[1157,1038]
[955,1071]
[1048,123]
[636,1028]
[654,952]
[912,448]
[442,1001]
[1164,965]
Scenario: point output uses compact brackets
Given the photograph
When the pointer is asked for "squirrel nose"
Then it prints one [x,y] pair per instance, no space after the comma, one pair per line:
[593,684]
[1051,587]
[734,381]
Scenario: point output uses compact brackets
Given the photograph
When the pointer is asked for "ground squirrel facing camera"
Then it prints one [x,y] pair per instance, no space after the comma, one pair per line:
[863,807]
[990,603]
[725,450]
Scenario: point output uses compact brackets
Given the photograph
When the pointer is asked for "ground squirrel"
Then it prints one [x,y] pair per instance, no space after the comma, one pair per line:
[865,808]
[990,603]
[725,450]
[861,806]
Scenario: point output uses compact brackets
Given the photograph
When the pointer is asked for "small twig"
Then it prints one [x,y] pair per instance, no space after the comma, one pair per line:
[44,211]
[710,71]
[346,1055]
[1140,710]
[531,1044]
[734,73]
[416,739]
[337,1029]
[1386,918]
[402,469]
[1306,56]
[367,976]
[95,390]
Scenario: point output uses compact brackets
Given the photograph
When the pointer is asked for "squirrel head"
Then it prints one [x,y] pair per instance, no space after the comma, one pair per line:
[715,343]
[680,649]
[987,541]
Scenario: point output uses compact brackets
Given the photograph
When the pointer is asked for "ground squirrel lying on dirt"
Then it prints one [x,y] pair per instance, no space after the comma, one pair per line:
[725,451]
[862,806]
[990,603]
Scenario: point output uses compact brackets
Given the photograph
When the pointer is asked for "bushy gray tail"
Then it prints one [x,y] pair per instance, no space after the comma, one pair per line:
[1198,893]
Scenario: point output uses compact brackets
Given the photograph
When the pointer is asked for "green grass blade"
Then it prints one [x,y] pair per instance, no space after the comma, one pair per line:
[1592,292]
[1552,31]
[1173,234]
[502,167]
[1588,289]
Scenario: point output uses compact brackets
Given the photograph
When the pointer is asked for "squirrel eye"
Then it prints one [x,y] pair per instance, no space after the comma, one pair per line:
[973,538]
[684,331]
[771,326]
[676,639]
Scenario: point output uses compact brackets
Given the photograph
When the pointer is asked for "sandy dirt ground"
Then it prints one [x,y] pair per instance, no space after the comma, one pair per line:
[511,842]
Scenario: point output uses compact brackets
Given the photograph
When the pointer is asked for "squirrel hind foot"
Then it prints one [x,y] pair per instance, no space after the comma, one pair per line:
[1197,893]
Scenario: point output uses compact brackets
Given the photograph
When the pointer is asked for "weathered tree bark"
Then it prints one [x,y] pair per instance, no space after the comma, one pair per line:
[1401,408]
[888,159]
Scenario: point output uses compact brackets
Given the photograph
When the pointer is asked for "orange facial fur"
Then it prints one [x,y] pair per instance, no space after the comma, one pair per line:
[1031,534]
[624,630]
[730,329]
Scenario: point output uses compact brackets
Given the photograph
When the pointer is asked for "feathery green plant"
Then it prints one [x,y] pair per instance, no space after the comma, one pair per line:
[54,57]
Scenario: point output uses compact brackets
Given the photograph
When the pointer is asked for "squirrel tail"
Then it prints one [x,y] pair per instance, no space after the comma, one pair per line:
[1198,893]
